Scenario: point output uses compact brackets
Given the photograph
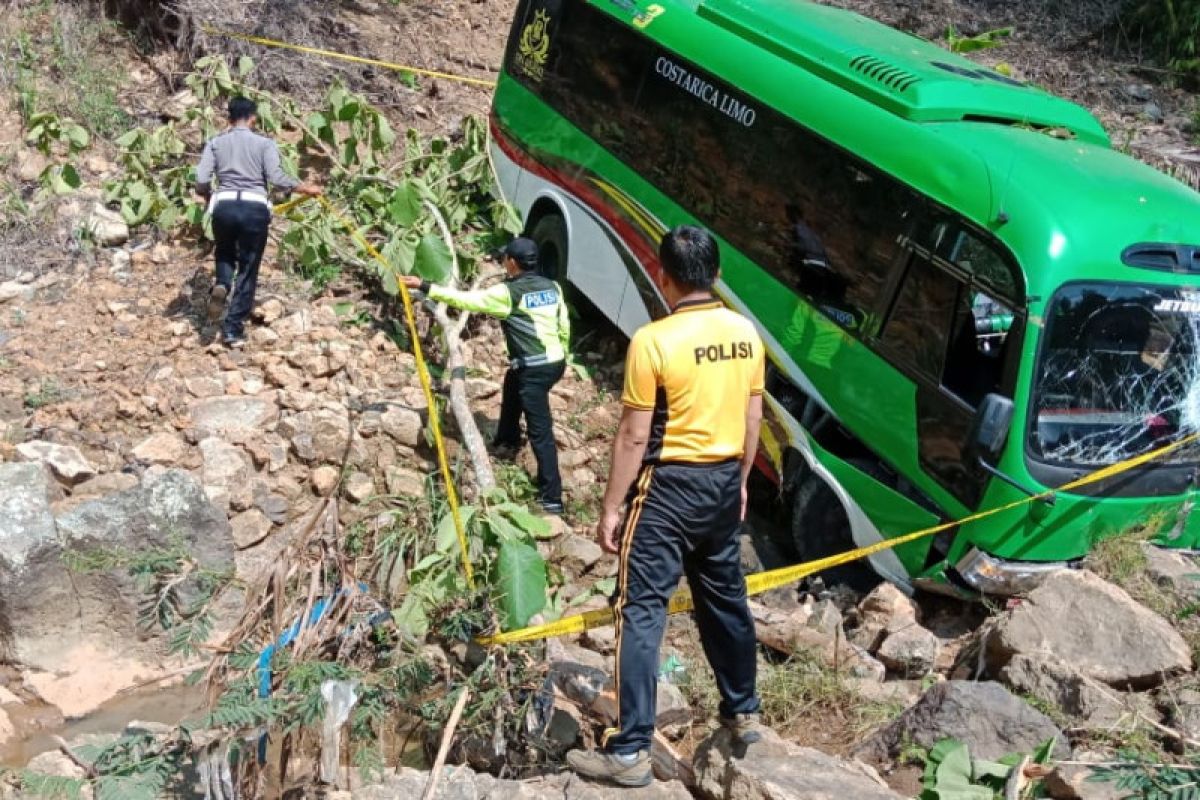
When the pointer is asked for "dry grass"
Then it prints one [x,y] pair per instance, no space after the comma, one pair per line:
[802,699]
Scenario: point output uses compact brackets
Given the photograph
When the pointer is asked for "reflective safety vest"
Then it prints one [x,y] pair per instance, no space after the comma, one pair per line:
[531,310]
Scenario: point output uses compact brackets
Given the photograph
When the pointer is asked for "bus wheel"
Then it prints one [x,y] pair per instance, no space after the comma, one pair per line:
[550,235]
[820,528]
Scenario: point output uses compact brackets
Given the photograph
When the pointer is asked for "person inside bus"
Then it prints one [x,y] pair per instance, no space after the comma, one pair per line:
[815,277]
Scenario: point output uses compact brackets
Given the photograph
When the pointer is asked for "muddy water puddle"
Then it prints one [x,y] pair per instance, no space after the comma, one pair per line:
[168,705]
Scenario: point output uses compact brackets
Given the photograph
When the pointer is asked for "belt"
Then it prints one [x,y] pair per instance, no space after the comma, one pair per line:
[241,194]
[531,361]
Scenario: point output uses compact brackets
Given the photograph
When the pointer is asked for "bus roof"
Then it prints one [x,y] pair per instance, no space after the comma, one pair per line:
[988,149]
[908,76]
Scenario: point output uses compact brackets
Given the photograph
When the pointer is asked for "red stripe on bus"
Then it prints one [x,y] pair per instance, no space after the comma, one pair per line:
[644,251]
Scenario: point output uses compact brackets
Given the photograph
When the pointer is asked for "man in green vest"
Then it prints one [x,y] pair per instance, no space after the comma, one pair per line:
[533,316]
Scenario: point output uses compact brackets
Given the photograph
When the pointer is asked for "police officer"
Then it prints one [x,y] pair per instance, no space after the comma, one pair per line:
[244,164]
[537,331]
[683,452]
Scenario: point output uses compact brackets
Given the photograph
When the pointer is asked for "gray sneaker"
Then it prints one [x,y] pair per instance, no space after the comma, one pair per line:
[216,302]
[612,768]
[746,728]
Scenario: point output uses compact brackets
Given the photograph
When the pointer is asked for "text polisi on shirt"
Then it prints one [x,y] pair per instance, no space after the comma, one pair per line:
[695,85]
[724,352]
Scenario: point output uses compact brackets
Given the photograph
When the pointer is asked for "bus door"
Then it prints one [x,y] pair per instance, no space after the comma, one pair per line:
[954,328]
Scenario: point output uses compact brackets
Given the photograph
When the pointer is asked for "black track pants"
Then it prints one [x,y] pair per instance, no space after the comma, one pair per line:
[527,390]
[682,518]
[240,228]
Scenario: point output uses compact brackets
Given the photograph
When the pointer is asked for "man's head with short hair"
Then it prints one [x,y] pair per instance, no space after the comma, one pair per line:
[524,253]
[690,257]
[242,109]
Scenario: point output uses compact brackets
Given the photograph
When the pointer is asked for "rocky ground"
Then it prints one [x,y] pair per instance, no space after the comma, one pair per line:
[124,429]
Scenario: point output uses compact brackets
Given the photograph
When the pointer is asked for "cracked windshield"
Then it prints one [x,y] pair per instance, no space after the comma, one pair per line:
[1118,374]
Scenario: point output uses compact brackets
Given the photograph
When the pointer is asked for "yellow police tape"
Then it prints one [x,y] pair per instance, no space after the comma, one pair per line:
[765,581]
[422,373]
[344,57]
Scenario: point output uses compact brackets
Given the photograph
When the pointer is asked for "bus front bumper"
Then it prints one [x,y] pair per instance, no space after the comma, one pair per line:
[988,574]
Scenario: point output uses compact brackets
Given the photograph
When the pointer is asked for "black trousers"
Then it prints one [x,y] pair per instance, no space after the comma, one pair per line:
[240,228]
[682,518]
[527,391]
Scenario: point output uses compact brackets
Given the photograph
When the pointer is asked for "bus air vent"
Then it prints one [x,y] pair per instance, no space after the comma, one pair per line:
[1166,257]
[889,75]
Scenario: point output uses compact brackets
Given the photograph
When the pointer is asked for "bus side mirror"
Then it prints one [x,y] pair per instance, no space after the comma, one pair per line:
[989,431]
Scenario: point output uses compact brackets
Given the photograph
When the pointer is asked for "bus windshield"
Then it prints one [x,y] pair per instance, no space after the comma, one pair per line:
[1118,374]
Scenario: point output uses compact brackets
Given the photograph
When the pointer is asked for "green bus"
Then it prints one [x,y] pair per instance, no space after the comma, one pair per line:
[968,296]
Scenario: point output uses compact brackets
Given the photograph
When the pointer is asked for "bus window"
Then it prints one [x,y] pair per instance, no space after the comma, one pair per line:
[978,347]
[919,328]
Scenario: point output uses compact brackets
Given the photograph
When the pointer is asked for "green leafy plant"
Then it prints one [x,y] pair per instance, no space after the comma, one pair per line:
[1148,779]
[951,773]
[1172,28]
[982,41]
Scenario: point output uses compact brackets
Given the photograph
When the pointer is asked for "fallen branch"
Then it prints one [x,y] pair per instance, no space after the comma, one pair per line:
[444,747]
[456,368]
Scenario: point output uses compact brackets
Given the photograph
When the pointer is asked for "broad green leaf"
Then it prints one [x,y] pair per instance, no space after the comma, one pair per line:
[447,534]
[245,65]
[384,136]
[404,206]
[530,523]
[427,562]
[400,253]
[504,530]
[505,217]
[410,617]
[948,774]
[71,177]
[77,135]
[433,262]
[350,152]
[520,583]
[129,139]
[167,217]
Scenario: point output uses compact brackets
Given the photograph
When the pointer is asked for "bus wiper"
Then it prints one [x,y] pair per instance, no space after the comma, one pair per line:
[1042,497]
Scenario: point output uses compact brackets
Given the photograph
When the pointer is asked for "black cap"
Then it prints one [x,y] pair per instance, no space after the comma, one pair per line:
[524,251]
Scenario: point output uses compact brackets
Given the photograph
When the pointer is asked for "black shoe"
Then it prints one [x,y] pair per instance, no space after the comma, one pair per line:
[557,509]
[216,302]
[505,451]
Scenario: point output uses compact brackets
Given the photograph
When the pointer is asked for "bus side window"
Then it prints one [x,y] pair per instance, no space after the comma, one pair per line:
[919,328]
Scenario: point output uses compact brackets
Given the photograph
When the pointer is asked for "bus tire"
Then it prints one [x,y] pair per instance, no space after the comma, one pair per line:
[549,233]
[820,528]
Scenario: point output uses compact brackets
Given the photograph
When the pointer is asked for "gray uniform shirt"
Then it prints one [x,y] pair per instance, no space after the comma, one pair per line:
[242,160]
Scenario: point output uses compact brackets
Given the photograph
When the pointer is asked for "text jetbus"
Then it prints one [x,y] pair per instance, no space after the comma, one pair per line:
[925,245]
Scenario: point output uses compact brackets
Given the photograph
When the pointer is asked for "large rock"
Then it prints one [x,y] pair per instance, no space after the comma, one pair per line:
[788,632]
[66,462]
[1172,570]
[402,424]
[26,524]
[1095,627]
[161,448]
[910,652]
[223,416]
[71,611]
[773,769]
[317,436]
[225,466]
[107,228]
[1053,681]
[460,783]
[986,717]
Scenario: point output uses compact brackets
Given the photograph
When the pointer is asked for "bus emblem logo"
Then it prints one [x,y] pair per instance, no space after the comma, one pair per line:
[535,46]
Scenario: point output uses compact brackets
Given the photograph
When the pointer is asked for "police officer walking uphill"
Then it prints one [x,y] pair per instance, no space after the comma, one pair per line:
[537,331]
[684,449]
[245,164]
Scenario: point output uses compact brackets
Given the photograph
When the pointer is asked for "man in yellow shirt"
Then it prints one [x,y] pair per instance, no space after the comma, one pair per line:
[683,452]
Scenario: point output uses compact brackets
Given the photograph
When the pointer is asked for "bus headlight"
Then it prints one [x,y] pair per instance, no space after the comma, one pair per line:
[988,574]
